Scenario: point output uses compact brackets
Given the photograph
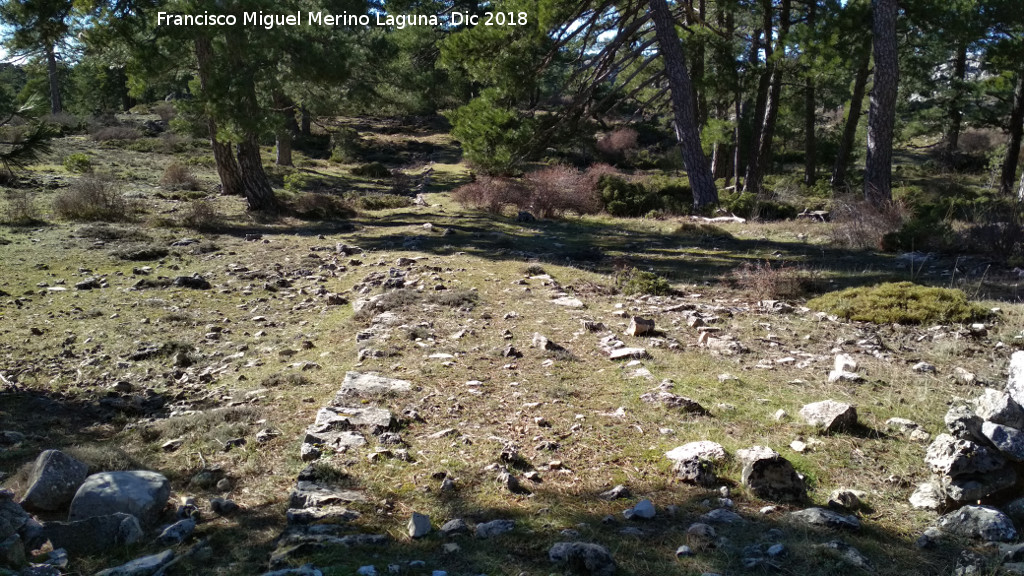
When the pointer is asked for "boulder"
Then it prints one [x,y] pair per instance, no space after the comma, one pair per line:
[695,461]
[998,407]
[494,528]
[177,533]
[583,558]
[979,522]
[674,401]
[830,415]
[770,476]
[12,516]
[963,423]
[824,518]
[949,456]
[419,525]
[928,496]
[370,418]
[54,479]
[1015,384]
[95,534]
[1009,441]
[145,566]
[141,493]
[971,487]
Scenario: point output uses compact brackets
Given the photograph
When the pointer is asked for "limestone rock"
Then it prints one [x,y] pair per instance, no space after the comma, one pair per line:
[626,353]
[419,525]
[928,496]
[963,423]
[145,566]
[770,476]
[980,522]
[846,498]
[494,528]
[454,527]
[830,415]
[998,407]
[95,534]
[1015,384]
[583,558]
[643,510]
[568,302]
[177,533]
[1009,441]
[949,456]
[372,419]
[848,554]
[695,461]
[141,493]
[53,481]
[542,342]
[826,518]
[368,384]
[310,494]
[971,487]
[639,326]
[674,401]
[844,363]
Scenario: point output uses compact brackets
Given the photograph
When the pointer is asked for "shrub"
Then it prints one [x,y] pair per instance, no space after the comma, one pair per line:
[495,137]
[633,281]
[21,208]
[346,145]
[383,201]
[202,215]
[320,206]
[559,189]
[165,110]
[78,163]
[178,176]
[372,170]
[860,225]
[741,204]
[622,197]
[492,194]
[107,133]
[899,302]
[618,144]
[767,282]
[296,181]
[91,199]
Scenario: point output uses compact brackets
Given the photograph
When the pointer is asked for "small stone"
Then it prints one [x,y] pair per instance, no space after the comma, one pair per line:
[684,551]
[454,527]
[367,571]
[494,528]
[923,367]
[701,536]
[639,326]
[591,559]
[176,533]
[419,525]
[846,499]
[643,510]
[830,416]
[721,516]
[769,475]
[615,493]
[826,518]
[965,376]
[224,485]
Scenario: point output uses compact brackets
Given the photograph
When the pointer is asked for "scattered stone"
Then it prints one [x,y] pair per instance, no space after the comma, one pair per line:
[684,551]
[141,493]
[770,476]
[177,533]
[568,302]
[195,282]
[643,510]
[309,494]
[830,415]
[701,536]
[454,527]
[695,461]
[846,499]
[543,343]
[419,525]
[494,528]
[844,376]
[848,554]
[54,479]
[844,363]
[721,516]
[826,518]
[615,493]
[638,326]
[964,376]
[95,534]
[223,506]
[145,566]
[583,558]
[923,367]
[980,522]
[363,384]
[627,353]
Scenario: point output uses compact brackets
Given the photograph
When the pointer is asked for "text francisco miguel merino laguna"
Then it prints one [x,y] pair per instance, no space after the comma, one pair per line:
[400,21]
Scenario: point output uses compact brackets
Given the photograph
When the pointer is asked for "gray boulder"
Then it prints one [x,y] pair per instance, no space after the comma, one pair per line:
[949,456]
[928,496]
[583,558]
[830,416]
[695,461]
[979,522]
[998,407]
[145,566]
[971,487]
[177,533]
[770,476]
[141,493]
[54,479]
[12,516]
[94,535]
[1015,384]
[963,423]
[363,384]
[1009,441]
[419,525]
[494,528]
[825,518]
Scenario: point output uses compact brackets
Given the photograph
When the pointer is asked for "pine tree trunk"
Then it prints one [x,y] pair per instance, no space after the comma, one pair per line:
[306,121]
[761,155]
[223,157]
[810,114]
[737,136]
[56,107]
[283,144]
[860,84]
[1008,176]
[882,112]
[955,114]
[682,94]
[286,131]
[258,192]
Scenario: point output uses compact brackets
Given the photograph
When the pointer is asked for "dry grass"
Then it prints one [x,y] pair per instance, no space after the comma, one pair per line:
[93,198]
[766,281]
[178,176]
[108,133]
[858,225]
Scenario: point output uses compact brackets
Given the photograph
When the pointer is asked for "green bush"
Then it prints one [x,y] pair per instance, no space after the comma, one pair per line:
[742,204]
[899,303]
[635,281]
[297,182]
[624,198]
[372,170]
[346,145]
[495,137]
[78,163]
[383,201]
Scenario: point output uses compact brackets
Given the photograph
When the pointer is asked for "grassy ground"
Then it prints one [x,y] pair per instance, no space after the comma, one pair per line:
[111,374]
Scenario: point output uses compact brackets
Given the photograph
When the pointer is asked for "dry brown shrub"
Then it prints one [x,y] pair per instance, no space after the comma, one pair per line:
[178,176]
[559,189]
[618,143]
[165,110]
[766,282]
[857,224]
[492,194]
[116,133]
[320,206]
[93,198]
[202,215]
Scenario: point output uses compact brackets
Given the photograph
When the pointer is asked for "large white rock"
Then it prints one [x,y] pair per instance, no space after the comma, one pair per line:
[981,522]
[769,475]
[141,493]
[1015,384]
[949,456]
[830,415]
[998,407]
